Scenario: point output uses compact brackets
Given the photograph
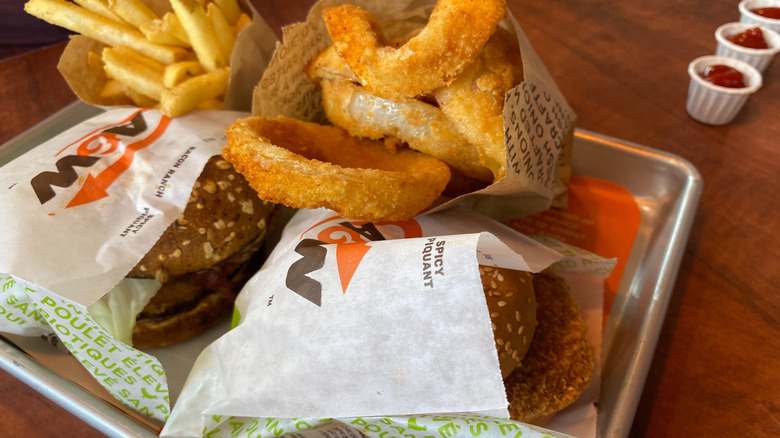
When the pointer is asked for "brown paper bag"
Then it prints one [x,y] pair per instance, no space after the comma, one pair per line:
[538,122]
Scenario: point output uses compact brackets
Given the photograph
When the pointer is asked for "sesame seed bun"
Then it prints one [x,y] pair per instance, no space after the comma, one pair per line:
[203,258]
[222,216]
[512,306]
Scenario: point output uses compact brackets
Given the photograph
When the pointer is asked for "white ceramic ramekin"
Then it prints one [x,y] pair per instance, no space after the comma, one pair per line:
[713,104]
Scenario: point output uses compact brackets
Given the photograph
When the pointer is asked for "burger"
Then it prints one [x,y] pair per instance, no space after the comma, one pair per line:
[201,260]
[542,343]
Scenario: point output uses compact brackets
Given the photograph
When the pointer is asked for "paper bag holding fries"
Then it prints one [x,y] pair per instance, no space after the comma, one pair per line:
[176,55]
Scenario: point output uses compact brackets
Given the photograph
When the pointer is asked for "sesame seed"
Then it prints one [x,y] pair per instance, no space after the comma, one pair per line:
[493,326]
[161,275]
[219,224]
[494,315]
[501,303]
[176,254]
[520,330]
[201,231]
[161,257]
[208,250]
[247,207]
[186,242]
[509,327]
[222,165]
[518,316]
[493,284]
[499,341]
[231,198]
[500,277]
[210,187]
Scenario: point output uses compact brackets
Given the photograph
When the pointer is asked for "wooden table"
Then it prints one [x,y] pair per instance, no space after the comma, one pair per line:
[622,66]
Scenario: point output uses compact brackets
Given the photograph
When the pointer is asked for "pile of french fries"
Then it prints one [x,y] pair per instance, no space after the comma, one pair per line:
[175,62]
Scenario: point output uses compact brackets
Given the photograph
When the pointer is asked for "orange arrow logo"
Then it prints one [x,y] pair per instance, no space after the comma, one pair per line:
[352,242]
[94,187]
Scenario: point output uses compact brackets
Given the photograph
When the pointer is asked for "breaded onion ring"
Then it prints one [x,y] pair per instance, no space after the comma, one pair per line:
[475,100]
[456,32]
[328,64]
[306,165]
[422,126]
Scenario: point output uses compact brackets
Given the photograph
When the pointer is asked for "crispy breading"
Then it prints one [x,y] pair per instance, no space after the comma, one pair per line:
[559,363]
[456,32]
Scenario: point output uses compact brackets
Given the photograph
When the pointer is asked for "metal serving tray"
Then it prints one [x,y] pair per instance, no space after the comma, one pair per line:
[665,187]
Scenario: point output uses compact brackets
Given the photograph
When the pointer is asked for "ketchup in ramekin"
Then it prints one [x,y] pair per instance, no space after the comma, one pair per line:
[715,93]
[767,12]
[751,38]
[723,76]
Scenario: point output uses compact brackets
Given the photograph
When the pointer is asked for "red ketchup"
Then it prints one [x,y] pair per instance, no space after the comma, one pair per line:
[768,12]
[724,76]
[751,38]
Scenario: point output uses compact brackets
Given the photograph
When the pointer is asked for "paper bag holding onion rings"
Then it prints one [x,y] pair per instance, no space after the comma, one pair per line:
[471,93]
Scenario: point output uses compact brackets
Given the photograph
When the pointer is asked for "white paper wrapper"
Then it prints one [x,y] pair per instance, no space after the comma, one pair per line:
[351,320]
[79,211]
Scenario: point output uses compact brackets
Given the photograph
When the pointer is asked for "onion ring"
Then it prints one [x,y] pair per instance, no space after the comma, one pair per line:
[456,32]
[422,126]
[474,101]
[307,165]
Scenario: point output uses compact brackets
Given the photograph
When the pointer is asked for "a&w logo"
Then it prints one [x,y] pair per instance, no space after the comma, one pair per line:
[99,144]
[351,239]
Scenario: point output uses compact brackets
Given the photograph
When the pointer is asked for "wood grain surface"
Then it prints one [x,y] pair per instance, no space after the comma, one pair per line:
[623,68]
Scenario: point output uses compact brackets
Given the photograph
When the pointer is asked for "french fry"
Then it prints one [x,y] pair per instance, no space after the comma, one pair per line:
[192,92]
[132,11]
[157,31]
[200,32]
[95,65]
[99,7]
[222,28]
[115,92]
[174,26]
[90,24]
[139,73]
[139,99]
[230,8]
[140,59]
[211,104]
[175,73]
